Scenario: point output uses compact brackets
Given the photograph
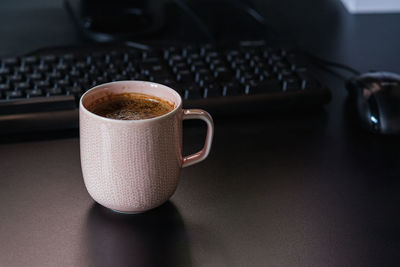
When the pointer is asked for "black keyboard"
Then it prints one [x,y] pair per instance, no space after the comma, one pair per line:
[40,91]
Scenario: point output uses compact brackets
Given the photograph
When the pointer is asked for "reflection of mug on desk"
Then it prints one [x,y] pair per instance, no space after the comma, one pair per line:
[154,238]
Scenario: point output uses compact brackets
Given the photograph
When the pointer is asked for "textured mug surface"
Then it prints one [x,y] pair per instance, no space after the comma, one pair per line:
[134,165]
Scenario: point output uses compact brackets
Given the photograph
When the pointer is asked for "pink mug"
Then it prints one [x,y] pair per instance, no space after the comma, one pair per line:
[131,166]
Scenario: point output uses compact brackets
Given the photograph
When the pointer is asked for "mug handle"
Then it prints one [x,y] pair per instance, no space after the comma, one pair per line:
[190,114]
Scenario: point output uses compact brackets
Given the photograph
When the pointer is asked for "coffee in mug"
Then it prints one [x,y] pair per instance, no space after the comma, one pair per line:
[130,106]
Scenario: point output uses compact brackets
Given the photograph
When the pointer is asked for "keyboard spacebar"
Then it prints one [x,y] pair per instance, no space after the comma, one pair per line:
[39,104]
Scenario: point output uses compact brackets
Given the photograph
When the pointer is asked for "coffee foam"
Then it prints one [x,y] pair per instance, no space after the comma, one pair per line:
[130,106]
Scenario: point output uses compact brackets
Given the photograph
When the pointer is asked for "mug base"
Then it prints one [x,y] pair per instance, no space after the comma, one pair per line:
[126,212]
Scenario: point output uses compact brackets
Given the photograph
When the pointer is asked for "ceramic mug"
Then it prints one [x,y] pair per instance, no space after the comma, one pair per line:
[134,165]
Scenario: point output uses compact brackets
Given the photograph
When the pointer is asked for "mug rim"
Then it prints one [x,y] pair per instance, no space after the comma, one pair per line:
[170,113]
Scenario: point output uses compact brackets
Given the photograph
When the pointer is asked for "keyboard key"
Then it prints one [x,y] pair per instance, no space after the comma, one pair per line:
[306,82]
[157,68]
[211,56]
[93,83]
[266,86]
[188,50]
[73,89]
[180,67]
[4,87]
[23,69]
[192,92]
[54,76]
[238,62]
[83,82]
[93,72]
[251,87]
[206,49]
[152,53]
[184,76]
[74,74]
[34,93]
[10,62]
[290,85]
[80,65]
[212,90]
[175,59]
[222,74]
[42,84]
[275,57]
[15,78]
[290,78]
[255,60]
[67,58]
[42,68]
[99,65]
[22,86]
[139,77]
[202,74]
[217,64]
[281,65]
[110,73]
[54,91]
[113,55]
[167,53]
[4,71]
[247,76]
[266,74]
[197,65]
[231,89]
[169,82]
[130,70]
[125,57]
[119,77]
[232,54]
[193,58]
[158,77]
[13,94]
[62,68]
[148,62]
[206,80]
[243,69]
[286,72]
[31,60]
[34,76]
[63,83]
[48,59]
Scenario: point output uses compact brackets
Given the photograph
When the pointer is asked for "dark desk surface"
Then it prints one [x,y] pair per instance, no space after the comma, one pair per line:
[276,190]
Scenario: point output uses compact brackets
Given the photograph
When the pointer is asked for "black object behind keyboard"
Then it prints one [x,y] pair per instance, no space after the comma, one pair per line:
[36,89]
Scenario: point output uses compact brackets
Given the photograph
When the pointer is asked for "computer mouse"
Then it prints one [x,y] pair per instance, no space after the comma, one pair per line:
[377,100]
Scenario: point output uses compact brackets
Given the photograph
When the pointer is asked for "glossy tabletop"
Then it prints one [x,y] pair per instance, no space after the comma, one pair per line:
[305,189]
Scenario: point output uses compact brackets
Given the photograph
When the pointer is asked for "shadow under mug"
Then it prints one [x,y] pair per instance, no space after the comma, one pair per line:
[132,166]
[154,238]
